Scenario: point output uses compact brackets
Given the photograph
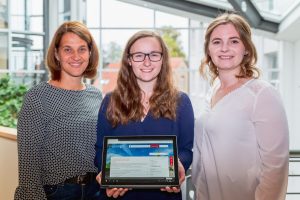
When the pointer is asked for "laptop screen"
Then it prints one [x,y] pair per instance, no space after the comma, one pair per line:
[140,161]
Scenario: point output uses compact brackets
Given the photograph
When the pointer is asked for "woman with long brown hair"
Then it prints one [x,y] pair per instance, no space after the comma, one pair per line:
[145,102]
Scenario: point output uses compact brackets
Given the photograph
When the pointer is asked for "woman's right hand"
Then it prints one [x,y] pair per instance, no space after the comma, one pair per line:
[112,192]
[116,192]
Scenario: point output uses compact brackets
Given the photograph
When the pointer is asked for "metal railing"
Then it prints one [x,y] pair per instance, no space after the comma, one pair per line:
[293,192]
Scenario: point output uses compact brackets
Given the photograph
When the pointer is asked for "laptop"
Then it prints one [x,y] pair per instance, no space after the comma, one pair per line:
[139,161]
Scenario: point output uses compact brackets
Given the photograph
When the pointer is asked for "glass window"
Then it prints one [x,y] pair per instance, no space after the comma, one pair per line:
[113,43]
[165,19]
[112,31]
[119,14]
[3,51]
[64,10]
[35,15]
[3,14]
[27,15]
[96,35]
[93,13]
[18,15]
[27,52]
[278,8]
[273,70]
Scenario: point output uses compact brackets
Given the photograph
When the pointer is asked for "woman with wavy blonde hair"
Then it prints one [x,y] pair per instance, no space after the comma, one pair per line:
[241,146]
[145,102]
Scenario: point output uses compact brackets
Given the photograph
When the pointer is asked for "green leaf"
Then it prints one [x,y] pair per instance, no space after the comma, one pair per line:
[11,99]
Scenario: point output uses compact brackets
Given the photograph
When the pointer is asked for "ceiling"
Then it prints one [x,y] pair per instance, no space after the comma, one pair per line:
[279,17]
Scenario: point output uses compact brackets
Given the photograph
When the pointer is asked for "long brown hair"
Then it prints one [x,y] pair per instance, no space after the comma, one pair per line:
[125,103]
[248,65]
[81,31]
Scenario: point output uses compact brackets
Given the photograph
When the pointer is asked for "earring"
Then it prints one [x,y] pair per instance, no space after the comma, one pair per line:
[246,53]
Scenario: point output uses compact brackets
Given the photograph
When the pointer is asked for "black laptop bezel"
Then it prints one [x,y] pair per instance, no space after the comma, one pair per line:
[140,182]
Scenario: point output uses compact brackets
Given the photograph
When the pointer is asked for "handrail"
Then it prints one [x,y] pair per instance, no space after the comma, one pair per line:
[8,133]
[294,158]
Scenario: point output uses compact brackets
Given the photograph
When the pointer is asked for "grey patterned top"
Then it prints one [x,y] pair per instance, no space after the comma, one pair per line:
[56,137]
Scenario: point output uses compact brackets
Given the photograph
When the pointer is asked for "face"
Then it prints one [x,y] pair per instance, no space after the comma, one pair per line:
[226,48]
[146,71]
[73,55]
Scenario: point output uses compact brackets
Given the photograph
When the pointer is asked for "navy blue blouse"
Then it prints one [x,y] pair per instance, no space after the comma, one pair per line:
[182,127]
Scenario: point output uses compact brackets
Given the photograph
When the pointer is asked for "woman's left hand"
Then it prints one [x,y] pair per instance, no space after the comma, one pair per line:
[181,174]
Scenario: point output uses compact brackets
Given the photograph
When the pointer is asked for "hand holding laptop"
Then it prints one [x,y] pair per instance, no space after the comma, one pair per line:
[116,192]
[181,174]
[112,192]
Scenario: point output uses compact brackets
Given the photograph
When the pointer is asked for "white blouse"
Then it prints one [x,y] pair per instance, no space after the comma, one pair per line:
[241,146]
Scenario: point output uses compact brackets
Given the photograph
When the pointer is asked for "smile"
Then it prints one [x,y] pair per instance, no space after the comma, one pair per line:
[146,70]
[225,57]
[75,64]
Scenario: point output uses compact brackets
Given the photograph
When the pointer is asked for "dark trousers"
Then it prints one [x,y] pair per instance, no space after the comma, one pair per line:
[67,191]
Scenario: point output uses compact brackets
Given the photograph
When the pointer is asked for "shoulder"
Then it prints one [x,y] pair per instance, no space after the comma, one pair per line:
[105,102]
[107,97]
[92,88]
[183,100]
[257,86]
[183,97]
[37,91]
[34,96]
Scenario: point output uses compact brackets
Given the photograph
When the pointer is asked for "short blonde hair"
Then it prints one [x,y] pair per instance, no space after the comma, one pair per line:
[82,31]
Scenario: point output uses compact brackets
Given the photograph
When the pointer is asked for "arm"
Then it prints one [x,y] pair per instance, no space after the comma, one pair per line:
[30,139]
[271,130]
[185,131]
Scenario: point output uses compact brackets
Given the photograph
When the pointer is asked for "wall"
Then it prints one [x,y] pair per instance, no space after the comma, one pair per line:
[296,98]
[287,87]
[8,163]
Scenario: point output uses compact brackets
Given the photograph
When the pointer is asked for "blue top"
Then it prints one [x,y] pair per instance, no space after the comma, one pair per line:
[182,127]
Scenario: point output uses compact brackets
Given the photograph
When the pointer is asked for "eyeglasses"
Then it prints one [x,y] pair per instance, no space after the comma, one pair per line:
[140,57]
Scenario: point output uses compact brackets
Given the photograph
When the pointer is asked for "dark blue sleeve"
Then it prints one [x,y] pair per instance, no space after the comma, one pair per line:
[185,120]
[103,128]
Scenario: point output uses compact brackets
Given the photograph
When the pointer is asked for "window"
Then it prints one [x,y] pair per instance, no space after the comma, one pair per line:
[27,41]
[27,52]
[27,15]
[119,14]
[64,10]
[3,14]
[3,51]
[273,71]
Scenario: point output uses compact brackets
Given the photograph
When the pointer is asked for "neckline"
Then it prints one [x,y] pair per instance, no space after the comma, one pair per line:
[62,89]
[228,94]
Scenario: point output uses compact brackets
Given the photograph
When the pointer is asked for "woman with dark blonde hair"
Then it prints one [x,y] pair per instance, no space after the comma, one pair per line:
[241,148]
[57,122]
[145,102]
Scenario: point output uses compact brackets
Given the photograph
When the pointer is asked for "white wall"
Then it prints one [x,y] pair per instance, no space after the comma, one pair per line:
[8,168]
[295,87]
[287,87]
[289,65]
